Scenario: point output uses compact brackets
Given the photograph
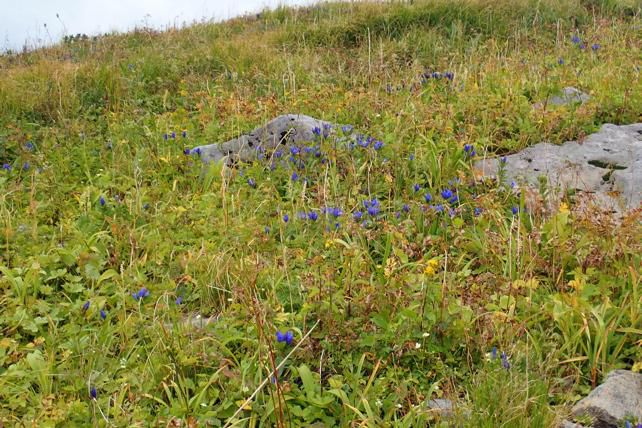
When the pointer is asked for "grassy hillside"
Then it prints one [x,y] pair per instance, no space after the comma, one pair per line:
[394,292]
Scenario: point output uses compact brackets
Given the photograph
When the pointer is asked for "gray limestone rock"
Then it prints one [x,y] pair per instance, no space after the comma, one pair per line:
[606,167]
[283,130]
[619,397]
[568,96]
[442,406]
[569,424]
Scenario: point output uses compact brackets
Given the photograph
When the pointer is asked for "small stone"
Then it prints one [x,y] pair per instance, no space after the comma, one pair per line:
[442,406]
[569,424]
[568,96]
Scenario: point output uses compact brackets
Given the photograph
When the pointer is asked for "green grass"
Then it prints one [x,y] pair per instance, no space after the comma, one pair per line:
[404,308]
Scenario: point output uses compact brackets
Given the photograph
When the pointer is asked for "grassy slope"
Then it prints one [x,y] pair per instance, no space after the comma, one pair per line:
[408,307]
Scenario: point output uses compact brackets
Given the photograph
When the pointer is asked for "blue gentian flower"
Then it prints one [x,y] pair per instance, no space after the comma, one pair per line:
[595,46]
[397,214]
[357,215]
[280,337]
[439,208]
[92,393]
[184,134]
[289,336]
[294,150]
[316,131]
[294,176]
[468,147]
[416,187]
[26,166]
[179,300]
[502,159]
[142,293]
[336,212]
[449,75]
[405,208]
[6,167]
[378,145]
[312,215]
[436,75]
[278,153]
[103,314]
[251,183]
[583,46]
[337,225]
[453,200]
[286,218]
[302,215]
[560,61]
[575,39]
[428,197]
[85,306]
[515,210]
[173,135]
[493,353]
[29,146]
[505,362]
[186,151]
[165,137]
[477,211]
[197,151]
[347,129]
[101,200]
[267,230]
[411,157]
[446,193]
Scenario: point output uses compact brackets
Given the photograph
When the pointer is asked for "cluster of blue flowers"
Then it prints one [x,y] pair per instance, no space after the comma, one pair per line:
[172,135]
[448,75]
[85,307]
[286,337]
[469,150]
[578,41]
[503,357]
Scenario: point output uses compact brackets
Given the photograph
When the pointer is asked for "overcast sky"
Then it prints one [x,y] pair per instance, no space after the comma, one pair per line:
[24,20]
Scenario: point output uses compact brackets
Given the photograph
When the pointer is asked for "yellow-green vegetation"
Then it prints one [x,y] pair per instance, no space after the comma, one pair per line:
[111,237]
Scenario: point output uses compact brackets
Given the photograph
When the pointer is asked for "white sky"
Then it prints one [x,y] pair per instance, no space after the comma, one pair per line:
[22,21]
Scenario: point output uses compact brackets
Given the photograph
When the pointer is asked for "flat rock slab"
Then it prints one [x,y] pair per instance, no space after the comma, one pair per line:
[283,130]
[619,397]
[606,167]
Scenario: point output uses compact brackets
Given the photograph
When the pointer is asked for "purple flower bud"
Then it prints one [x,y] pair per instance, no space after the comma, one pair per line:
[92,393]
[103,314]
[446,193]
[86,305]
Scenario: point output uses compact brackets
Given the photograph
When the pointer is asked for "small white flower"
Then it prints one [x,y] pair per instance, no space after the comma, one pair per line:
[417,345]
[426,334]
[379,403]
[398,406]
